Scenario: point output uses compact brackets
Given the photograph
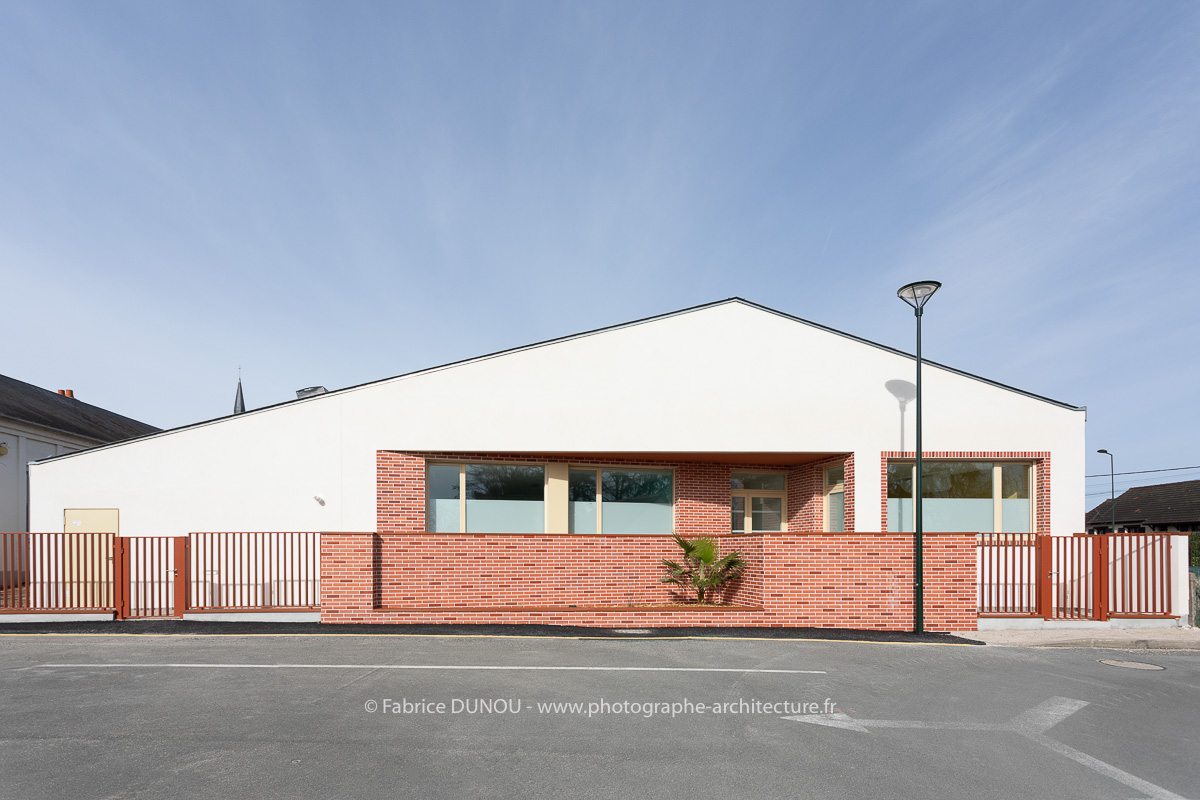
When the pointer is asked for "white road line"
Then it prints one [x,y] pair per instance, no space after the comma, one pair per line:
[433,666]
[1031,724]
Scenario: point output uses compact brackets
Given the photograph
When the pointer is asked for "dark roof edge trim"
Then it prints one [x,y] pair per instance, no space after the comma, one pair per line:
[557,340]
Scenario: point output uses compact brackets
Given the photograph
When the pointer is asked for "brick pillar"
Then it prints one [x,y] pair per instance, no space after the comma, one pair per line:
[348,572]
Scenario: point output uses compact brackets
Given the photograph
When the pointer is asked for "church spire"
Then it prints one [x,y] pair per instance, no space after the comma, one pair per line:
[239,403]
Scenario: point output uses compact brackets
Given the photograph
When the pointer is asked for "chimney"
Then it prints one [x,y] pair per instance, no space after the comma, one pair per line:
[67,392]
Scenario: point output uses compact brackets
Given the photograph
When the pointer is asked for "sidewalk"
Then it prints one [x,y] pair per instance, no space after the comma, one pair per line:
[1128,639]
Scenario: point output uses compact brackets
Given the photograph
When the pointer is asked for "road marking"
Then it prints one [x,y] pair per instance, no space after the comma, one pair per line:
[1031,724]
[496,667]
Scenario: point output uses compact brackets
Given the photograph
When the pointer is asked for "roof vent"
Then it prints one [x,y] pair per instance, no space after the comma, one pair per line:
[311,391]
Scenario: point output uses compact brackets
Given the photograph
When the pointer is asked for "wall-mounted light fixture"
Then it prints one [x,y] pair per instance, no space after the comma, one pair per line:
[320,500]
[3,448]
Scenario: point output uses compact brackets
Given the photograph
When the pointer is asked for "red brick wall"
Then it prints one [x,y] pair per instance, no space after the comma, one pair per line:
[1039,459]
[853,580]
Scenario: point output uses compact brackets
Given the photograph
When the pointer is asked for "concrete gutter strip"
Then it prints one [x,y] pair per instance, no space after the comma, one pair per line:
[1114,639]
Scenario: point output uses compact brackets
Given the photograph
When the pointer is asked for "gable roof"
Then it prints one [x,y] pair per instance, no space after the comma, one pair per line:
[606,329]
[33,405]
[1154,505]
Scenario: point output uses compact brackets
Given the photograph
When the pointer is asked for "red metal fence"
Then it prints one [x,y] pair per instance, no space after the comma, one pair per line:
[1007,565]
[148,576]
[159,576]
[245,571]
[1139,578]
[1074,577]
[56,572]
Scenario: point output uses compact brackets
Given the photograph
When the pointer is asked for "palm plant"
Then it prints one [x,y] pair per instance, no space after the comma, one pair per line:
[701,570]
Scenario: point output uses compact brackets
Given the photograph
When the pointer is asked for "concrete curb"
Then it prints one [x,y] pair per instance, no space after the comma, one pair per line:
[1122,644]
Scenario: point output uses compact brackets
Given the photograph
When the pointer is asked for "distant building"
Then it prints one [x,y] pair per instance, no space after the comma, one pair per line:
[37,423]
[1162,508]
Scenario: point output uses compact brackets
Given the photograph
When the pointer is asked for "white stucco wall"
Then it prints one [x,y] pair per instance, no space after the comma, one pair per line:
[661,386]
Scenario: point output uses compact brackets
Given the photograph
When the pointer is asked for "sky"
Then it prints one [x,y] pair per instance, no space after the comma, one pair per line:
[333,193]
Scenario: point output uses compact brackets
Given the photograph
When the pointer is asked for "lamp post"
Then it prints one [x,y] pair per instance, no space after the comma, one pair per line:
[1112,486]
[917,295]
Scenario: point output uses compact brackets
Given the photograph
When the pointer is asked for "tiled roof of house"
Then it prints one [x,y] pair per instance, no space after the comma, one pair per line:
[1159,504]
[32,405]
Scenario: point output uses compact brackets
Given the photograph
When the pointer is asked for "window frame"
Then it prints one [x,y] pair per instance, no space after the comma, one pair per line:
[749,494]
[462,488]
[599,469]
[997,485]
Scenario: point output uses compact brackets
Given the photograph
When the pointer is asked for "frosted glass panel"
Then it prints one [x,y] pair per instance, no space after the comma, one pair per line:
[1015,516]
[955,514]
[969,516]
[900,514]
[443,508]
[636,518]
[837,511]
[582,516]
[506,516]
[443,516]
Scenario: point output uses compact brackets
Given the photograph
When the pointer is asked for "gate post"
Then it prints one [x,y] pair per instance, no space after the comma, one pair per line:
[1045,560]
[120,578]
[1100,577]
[181,575]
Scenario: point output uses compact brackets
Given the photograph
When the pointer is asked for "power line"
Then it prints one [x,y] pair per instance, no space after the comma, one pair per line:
[1140,472]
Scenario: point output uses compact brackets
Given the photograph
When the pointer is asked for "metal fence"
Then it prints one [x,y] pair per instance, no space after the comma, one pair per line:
[159,576]
[56,572]
[245,571]
[1074,577]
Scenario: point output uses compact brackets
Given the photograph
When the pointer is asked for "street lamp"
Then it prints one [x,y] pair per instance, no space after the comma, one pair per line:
[917,295]
[1112,486]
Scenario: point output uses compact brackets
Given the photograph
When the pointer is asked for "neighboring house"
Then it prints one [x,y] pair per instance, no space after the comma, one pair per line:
[723,419]
[36,424]
[1162,508]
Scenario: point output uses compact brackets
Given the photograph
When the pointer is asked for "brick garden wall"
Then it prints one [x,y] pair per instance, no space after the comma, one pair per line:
[854,580]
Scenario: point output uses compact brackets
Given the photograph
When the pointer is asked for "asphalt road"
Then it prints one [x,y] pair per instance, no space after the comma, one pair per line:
[324,717]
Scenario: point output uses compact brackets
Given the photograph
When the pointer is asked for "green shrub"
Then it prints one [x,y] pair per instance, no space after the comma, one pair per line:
[701,570]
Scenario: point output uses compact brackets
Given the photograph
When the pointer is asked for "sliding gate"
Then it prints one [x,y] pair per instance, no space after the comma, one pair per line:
[1093,577]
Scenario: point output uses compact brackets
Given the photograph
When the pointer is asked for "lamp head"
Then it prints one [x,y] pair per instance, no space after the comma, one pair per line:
[1105,452]
[917,294]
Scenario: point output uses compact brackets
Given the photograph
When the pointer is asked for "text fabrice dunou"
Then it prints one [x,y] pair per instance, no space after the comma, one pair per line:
[474,705]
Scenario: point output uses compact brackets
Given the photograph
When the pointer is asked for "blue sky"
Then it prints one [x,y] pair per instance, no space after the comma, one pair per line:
[331,193]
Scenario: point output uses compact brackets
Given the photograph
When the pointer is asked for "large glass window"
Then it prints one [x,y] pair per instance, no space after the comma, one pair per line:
[757,501]
[976,496]
[621,501]
[486,498]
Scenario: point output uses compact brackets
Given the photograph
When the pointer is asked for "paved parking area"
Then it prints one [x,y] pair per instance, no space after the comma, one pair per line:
[430,717]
